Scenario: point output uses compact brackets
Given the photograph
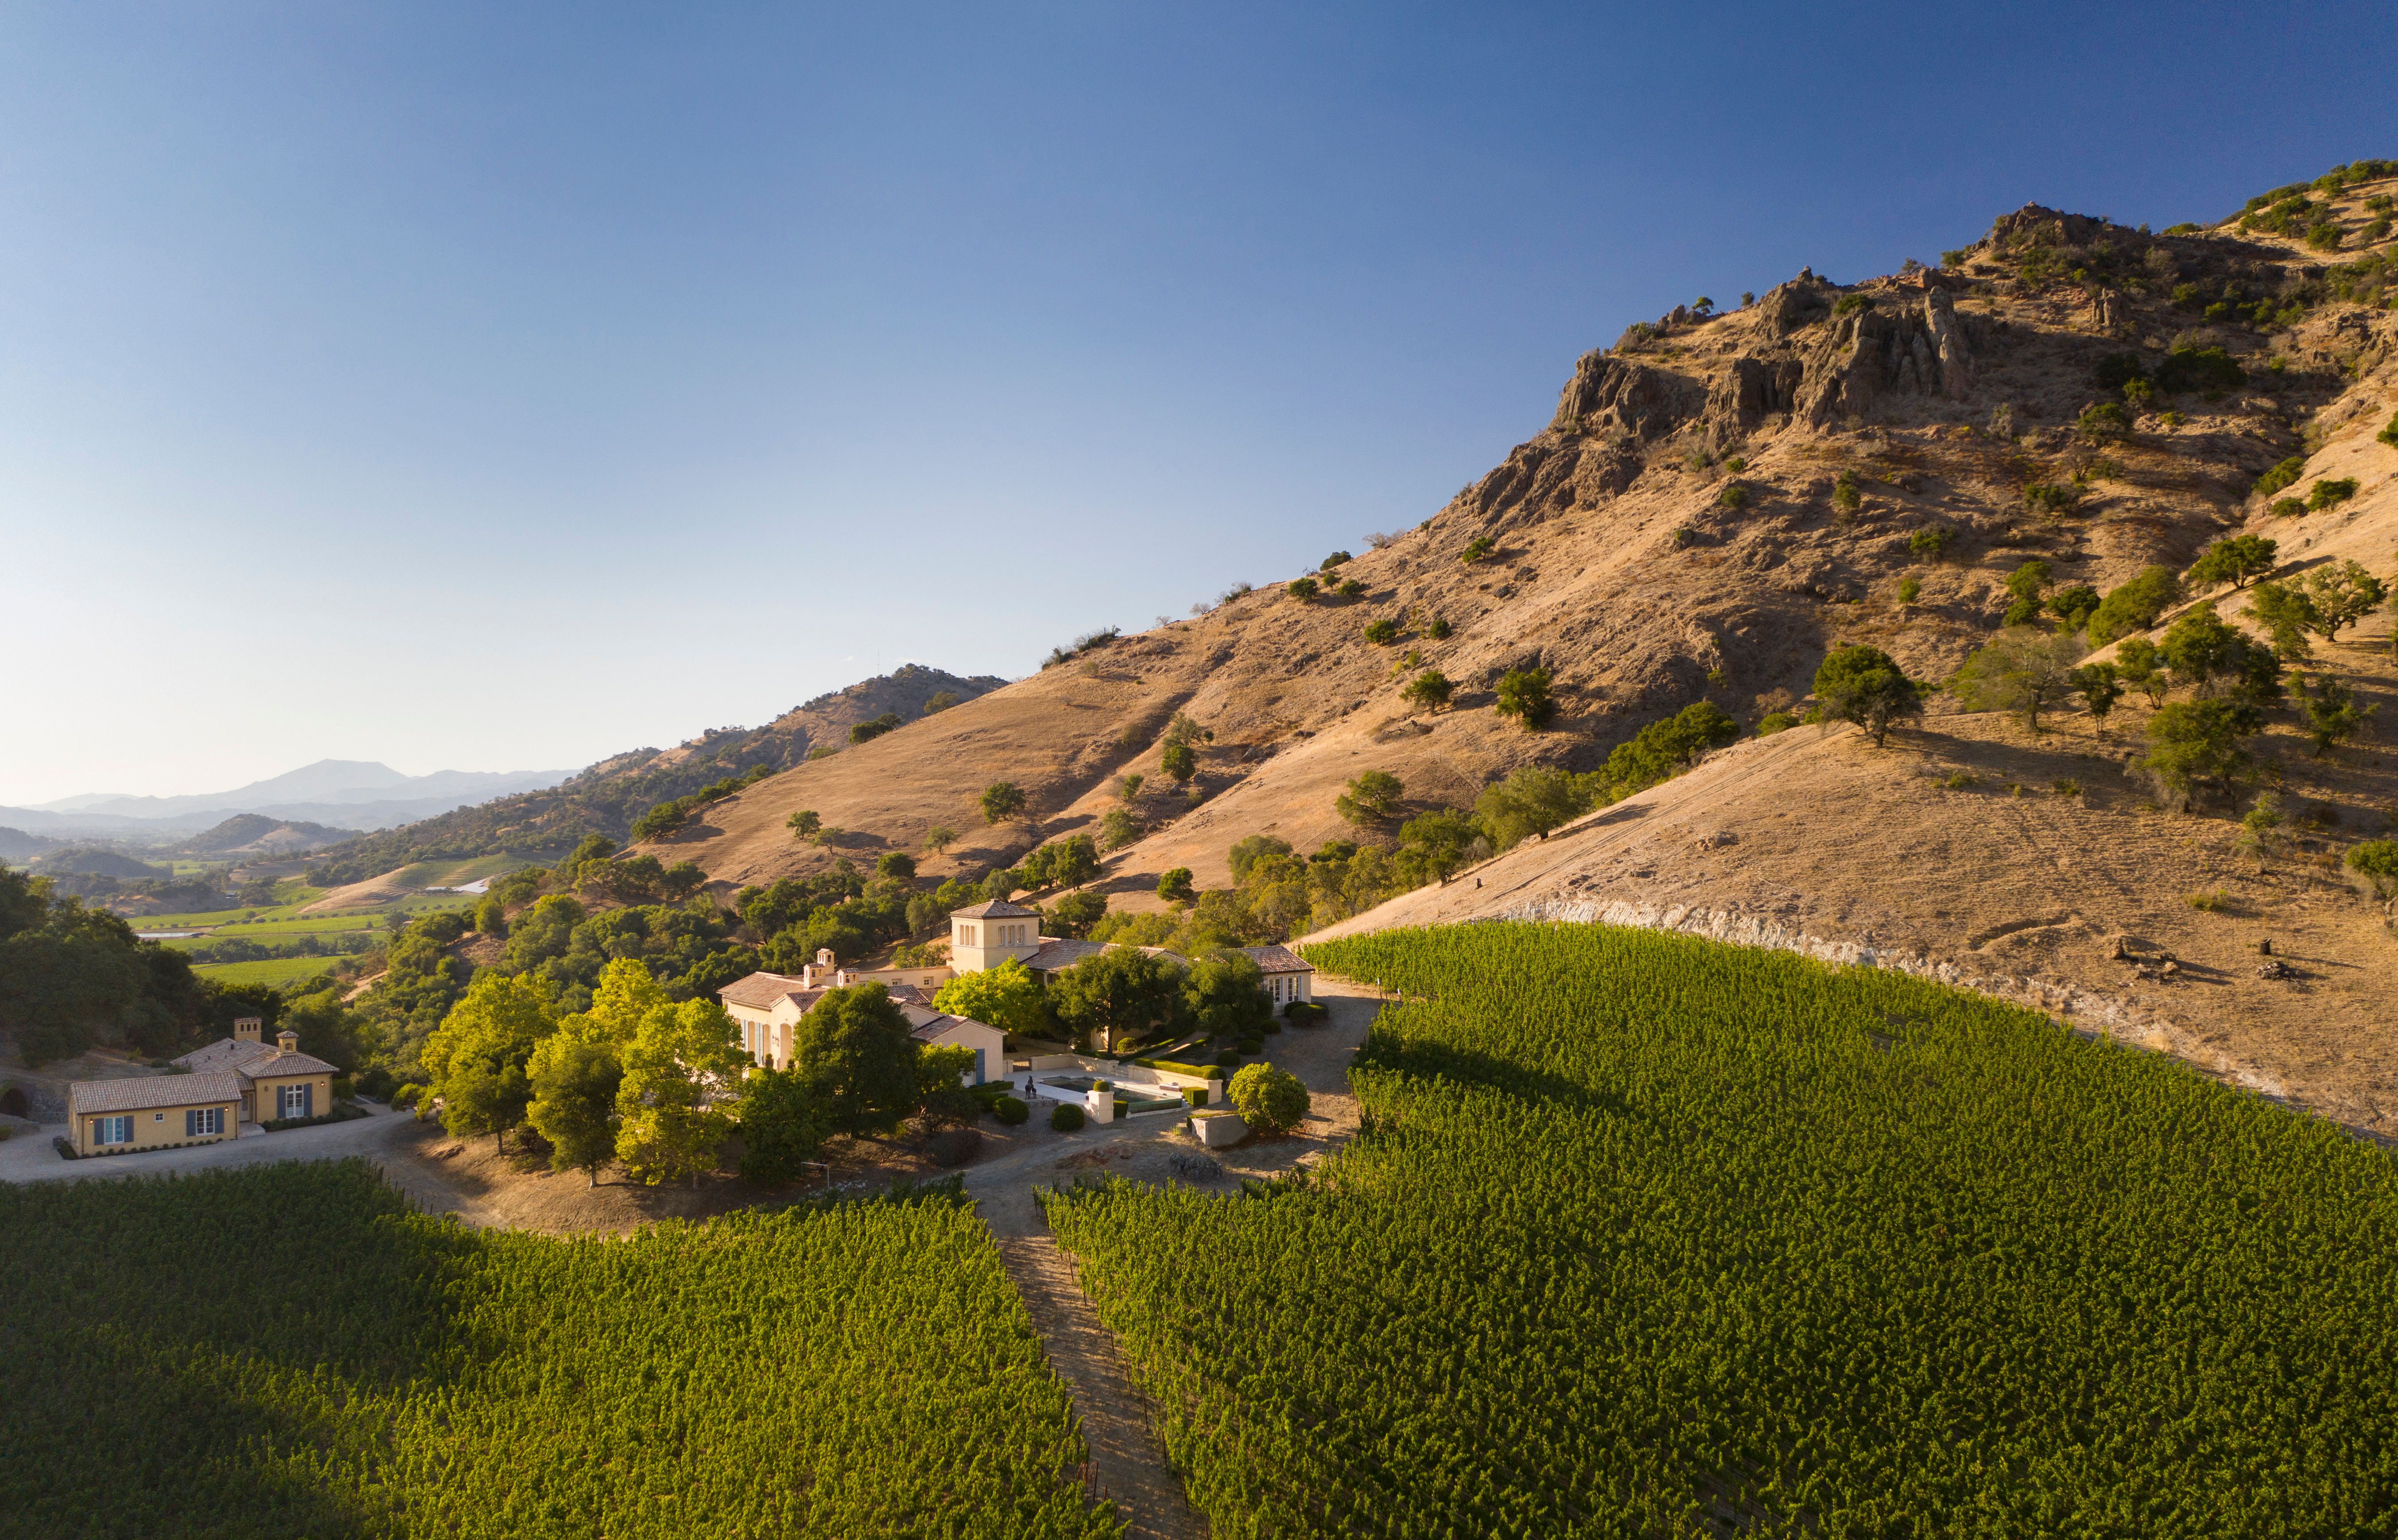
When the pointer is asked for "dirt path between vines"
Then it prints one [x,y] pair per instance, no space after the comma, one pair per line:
[1127,1463]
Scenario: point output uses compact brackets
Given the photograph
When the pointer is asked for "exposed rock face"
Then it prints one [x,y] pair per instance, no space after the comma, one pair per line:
[1788,306]
[1753,391]
[1948,344]
[2044,227]
[1645,403]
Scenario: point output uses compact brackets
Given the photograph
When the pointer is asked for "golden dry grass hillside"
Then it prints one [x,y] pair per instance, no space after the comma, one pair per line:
[1721,499]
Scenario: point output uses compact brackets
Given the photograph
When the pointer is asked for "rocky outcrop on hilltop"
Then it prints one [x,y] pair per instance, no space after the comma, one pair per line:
[1718,499]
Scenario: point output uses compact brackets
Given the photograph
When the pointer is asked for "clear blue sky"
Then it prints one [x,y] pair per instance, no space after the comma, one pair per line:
[494,387]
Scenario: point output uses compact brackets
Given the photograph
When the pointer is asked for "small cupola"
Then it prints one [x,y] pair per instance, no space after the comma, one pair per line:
[286,1041]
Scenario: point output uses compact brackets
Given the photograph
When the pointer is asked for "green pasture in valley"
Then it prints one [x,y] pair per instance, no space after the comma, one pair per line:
[271,970]
[289,1350]
[1644,1236]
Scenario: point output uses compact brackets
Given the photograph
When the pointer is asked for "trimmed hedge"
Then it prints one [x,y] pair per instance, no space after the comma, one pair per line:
[1066,1117]
[1306,1013]
[1010,1110]
[1208,1072]
[1195,1095]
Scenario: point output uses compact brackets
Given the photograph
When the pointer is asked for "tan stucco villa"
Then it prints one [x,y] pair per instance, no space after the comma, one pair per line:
[233,1081]
[768,1007]
[996,931]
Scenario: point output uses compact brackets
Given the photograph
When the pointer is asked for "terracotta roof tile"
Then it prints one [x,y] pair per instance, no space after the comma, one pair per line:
[763,990]
[1279,959]
[148,1092]
[248,1060]
[993,909]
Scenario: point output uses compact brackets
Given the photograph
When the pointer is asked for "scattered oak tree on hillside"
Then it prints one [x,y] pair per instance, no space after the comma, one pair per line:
[1179,761]
[2329,711]
[2024,585]
[940,838]
[1865,686]
[2023,670]
[1428,691]
[1524,696]
[804,825]
[2341,596]
[2212,657]
[1437,843]
[1119,829]
[1176,888]
[2100,686]
[866,732]
[1371,798]
[1004,801]
[2195,747]
[2235,560]
[2135,661]
[2288,615]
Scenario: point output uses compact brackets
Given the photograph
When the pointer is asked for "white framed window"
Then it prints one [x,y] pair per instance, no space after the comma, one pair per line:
[294,1101]
[203,1121]
[111,1130]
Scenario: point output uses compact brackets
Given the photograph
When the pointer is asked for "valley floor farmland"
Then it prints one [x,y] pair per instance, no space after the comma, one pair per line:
[1646,1236]
[288,1350]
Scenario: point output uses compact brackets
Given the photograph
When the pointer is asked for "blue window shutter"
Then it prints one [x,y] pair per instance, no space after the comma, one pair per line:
[308,1100]
[191,1125]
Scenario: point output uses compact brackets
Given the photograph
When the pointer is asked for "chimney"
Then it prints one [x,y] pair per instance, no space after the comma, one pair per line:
[247,1028]
[286,1041]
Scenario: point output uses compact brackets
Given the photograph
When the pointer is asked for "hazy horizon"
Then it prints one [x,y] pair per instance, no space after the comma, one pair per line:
[472,390]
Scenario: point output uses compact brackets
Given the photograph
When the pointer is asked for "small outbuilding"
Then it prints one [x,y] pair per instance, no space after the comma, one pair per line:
[157,1112]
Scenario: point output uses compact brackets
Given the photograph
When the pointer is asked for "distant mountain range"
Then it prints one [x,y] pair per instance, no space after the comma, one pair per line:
[356,794]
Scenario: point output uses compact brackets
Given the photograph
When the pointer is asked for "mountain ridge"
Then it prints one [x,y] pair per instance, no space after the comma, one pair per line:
[1720,500]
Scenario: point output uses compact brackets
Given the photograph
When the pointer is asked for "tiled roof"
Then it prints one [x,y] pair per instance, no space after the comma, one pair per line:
[223,1054]
[993,909]
[1279,959]
[1054,954]
[275,1067]
[148,1092]
[253,1060]
[762,991]
[924,1032]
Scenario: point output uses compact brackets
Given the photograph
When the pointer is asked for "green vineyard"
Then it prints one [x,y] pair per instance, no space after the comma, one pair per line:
[289,1350]
[1648,1236]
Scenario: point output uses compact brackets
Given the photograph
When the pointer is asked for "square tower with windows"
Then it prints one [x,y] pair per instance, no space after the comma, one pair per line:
[987,934]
